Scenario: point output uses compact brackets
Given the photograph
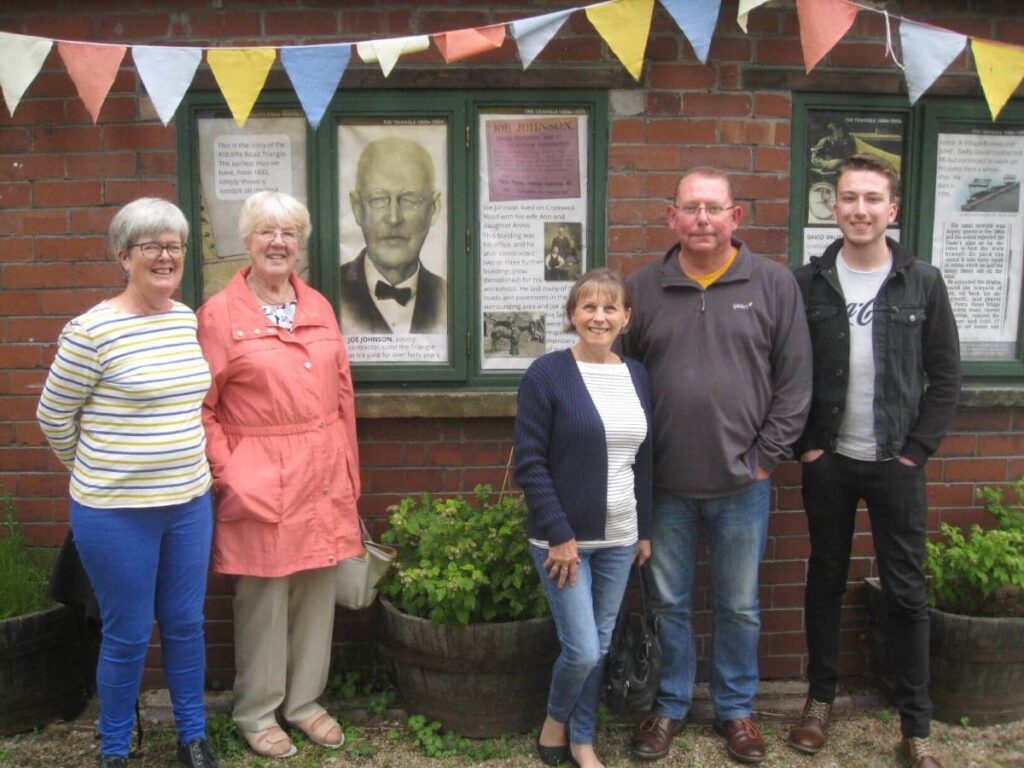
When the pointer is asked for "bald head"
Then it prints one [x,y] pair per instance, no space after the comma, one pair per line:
[395,203]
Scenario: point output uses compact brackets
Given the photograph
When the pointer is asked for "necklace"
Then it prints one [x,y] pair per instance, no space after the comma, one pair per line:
[286,291]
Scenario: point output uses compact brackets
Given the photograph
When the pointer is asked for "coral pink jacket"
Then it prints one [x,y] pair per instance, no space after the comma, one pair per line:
[281,435]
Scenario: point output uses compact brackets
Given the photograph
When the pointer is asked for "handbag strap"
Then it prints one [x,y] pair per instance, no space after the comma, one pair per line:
[366,531]
[505,484]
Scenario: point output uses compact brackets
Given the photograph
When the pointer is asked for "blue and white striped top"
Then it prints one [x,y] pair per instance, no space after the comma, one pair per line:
[122,408]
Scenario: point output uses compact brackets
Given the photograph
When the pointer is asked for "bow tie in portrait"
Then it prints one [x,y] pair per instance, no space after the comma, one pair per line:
[387,291]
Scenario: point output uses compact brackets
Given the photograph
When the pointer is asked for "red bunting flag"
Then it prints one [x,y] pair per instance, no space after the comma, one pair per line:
[822,24]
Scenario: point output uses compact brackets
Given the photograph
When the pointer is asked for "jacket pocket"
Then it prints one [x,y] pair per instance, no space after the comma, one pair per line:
[251,484]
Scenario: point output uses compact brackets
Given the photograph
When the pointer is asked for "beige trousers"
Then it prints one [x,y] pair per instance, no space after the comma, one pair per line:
[283,629]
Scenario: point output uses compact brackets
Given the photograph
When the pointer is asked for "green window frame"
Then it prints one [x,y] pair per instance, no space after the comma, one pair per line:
[923,123]
[461,113]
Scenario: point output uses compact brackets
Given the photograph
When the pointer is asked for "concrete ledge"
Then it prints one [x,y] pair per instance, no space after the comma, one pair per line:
[482,404]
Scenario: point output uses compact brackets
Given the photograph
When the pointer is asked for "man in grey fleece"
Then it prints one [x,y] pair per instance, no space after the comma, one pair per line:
[723,335]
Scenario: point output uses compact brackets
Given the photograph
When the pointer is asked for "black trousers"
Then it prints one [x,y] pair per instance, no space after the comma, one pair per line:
[898,509]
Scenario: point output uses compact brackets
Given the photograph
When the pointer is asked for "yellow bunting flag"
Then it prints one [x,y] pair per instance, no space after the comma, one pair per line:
[241,75]
[625,25]
[1000,69]
[92,69]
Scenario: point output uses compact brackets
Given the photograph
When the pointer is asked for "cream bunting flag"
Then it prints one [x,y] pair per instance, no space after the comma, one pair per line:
[92,69]
[21,58]
[241,74]
[1000,69]
[625,25]
[743,12]
[387,52]
[167,73]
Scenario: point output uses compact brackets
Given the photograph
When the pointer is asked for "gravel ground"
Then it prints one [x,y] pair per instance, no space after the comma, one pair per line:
[864,733]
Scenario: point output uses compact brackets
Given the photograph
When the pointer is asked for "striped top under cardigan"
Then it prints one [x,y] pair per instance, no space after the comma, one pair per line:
[122,408]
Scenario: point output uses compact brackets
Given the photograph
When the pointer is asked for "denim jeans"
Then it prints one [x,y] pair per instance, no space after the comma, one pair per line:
[141,562]
[897,505]
[736,528]
[585,618]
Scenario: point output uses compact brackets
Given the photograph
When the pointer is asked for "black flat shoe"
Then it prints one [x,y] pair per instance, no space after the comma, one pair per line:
[554,755]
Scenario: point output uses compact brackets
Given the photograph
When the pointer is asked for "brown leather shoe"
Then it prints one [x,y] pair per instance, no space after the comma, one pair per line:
[653,737]
[917,753]
[745,744]
[809,734]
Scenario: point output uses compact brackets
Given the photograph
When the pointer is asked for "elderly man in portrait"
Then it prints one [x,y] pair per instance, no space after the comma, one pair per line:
[386,289]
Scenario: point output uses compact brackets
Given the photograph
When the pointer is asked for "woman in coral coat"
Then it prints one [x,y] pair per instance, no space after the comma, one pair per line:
[281,440]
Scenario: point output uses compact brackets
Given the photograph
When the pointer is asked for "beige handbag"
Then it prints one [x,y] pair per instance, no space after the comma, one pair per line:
[356,578]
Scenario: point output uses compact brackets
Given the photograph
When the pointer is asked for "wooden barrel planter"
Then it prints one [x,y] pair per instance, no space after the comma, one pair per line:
[47,668]
[479,681]
[976,663]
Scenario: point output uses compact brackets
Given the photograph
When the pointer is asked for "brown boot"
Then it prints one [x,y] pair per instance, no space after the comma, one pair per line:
[743,739]
[653,737]
[917,753]
[809,734]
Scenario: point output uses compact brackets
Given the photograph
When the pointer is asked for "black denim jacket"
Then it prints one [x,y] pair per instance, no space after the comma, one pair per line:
[916,351]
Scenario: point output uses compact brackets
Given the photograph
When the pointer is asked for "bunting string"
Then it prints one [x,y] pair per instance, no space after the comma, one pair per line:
[315,70]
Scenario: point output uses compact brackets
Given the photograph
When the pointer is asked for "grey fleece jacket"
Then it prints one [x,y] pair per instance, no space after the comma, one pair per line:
[730,371]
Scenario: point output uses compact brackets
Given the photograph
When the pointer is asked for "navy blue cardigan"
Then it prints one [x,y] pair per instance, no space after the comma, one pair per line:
[561,458]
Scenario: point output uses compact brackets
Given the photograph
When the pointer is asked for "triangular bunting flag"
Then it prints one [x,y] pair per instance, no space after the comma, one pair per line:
[532,35]
[240,74]
[1000,69]
[167,73]
[387,52]
[315,72]
[625,25]
[743,12]
[92,69]
[822,24]
[21,58]
[697,20]
[927,52]
[466,43]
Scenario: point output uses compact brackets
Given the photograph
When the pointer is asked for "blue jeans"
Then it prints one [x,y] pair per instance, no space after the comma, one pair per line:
[141,562]
[585,618]
[736,528]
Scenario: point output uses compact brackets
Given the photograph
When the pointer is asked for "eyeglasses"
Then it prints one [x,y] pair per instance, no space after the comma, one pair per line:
[153,250]
[713,210]
[407,201]
[288,235]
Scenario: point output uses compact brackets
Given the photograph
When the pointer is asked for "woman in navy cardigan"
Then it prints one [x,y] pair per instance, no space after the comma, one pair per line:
[583,460]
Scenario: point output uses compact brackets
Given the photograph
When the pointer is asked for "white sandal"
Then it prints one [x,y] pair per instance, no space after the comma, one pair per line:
[270,742]
[320,729]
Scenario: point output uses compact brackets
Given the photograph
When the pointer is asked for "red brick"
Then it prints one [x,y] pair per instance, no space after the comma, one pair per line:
[134,137]
[402,430]
[66,139]
[100,165]
[981,420]
[98,274]
[305,23]
[156,164]
[727,158]
[957,444]
[24,167]
[770,214]
[707,104]
[628,130]
[642,158]
[729,77]
[761,186]
[780,667]
[35,111]
[380,454]
[27,382]
[23,329]
[69,303]
[225,26]
[72,249]
[681,76]
[121,192]
[682,132]
[96,220]
[779,52]
[624,186]
[56,194]
[626,240]
[633,212]
[36,275]
[946,495]
[16,249]
[666,48]
[771,159]
[114,110]
[768,242]
[749,132]
[1001,445]
[975,469]
[15,140]
[16,195]
[858,55]
[772,105]
[789,499]
[407,480]
[374,23]
[737,49]
[788,643]
[133,27]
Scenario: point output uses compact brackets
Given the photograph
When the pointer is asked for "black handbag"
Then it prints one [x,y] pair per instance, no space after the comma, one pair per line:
[634,658]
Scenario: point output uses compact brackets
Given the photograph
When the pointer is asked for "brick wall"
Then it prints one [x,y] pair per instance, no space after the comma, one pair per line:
[62,178]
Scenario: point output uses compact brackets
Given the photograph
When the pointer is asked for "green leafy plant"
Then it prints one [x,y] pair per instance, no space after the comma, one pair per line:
[462,561]
[981,573]
[24,571]
[435,743]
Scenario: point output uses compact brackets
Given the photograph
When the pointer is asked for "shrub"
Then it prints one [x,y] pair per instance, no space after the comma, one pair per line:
[981,573]
[24,571]
[462,561]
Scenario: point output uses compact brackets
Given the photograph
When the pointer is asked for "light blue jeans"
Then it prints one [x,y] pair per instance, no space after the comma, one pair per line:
[585,618]
[146,562]
[736,528]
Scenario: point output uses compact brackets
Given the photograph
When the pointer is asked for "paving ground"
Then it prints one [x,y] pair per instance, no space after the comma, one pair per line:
[865,734]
